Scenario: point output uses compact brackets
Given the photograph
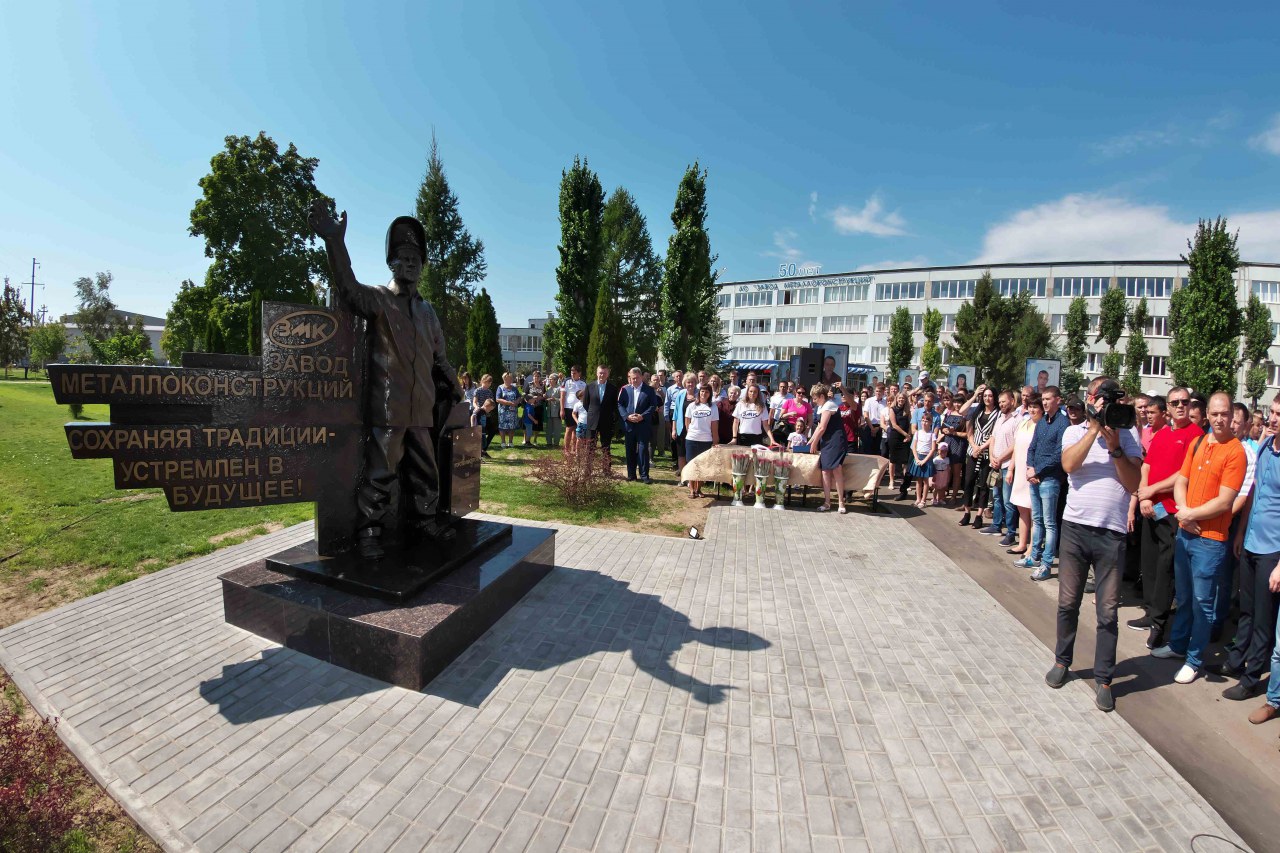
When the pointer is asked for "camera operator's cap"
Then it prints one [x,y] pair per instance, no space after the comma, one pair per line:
[924,374]
[406,231]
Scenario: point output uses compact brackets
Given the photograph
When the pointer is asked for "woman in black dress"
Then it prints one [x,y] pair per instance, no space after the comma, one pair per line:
[829,442]
[899,427]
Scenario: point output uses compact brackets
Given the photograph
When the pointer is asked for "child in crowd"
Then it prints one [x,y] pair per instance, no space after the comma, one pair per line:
[579,418]
[924,446]
[798,441]
[941,473]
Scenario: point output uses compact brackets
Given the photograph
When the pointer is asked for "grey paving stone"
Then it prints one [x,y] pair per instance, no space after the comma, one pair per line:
[762,689]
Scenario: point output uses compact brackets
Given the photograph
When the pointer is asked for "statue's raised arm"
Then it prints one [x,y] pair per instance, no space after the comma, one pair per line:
[333,232]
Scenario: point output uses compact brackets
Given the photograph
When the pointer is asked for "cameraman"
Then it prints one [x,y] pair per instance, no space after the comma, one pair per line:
[1103,466]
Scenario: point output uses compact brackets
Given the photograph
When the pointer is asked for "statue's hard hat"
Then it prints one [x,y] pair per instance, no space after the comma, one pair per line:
[406,231]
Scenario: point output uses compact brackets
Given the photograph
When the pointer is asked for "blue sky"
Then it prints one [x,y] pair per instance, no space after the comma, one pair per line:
[846,135]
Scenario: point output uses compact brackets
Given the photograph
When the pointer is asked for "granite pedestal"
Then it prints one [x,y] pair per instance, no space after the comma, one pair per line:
[404,643]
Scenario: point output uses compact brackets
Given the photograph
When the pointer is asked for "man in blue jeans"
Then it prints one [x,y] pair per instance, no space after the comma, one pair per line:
[1045,475]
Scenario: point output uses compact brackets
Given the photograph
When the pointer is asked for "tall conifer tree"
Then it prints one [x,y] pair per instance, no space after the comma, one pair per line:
[691,335]
[581,256]
[454,259]
[484,352]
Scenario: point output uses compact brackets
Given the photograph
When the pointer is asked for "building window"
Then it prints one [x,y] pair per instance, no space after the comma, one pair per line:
[844,293]
[1268,291]
[787,353]
[798,296]
[723,300]
[883,322]
[954,288]
[1058,323]
[751,327]
[880,322]
[795,324]
[1012,286]
[724,326]
[1076,286]
[752,298]
[1155,288]
[879,355]
[845,323]
[948,322]
[1095,323]
[1156,327]
[857,354]
[1273,376]
[899,290]
[1153,365]
[1093,362]
[751,353]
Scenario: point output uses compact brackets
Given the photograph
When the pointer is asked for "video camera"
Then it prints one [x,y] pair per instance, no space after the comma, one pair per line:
[1112,413]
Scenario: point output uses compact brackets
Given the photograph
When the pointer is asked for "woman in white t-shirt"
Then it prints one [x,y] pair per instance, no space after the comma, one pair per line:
[751,419]
[700,419]
[569,391]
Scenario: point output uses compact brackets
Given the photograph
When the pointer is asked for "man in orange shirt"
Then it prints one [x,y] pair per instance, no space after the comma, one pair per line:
[1211,476]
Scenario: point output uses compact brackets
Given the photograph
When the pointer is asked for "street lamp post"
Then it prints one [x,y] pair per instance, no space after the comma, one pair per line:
[26,370]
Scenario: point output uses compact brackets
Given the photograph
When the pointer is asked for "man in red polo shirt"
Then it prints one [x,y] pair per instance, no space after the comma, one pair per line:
[1155,501]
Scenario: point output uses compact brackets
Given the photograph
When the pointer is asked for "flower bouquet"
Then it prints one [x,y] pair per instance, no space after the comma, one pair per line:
[781,474]
[743,462]
[764,471]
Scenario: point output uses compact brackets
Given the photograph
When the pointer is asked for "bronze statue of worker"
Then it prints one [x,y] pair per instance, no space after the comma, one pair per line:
[409,376]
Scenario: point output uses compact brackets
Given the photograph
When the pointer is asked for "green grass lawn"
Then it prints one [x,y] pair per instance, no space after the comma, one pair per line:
[62,522]
[65,531]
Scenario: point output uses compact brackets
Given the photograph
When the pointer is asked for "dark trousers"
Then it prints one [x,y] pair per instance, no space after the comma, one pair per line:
[1133,550]
[637,444]
[1157,572]
[975,482]
[1256,632]
[603,437]
[868,440]
[405,453]
[1081,547]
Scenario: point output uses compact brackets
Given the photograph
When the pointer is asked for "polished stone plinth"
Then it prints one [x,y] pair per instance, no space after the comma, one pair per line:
[406,643]
[407,568]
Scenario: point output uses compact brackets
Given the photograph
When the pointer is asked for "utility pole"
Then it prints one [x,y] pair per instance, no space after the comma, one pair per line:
[32,304]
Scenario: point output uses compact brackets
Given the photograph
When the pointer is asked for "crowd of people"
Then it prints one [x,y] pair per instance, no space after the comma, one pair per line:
[1184,504]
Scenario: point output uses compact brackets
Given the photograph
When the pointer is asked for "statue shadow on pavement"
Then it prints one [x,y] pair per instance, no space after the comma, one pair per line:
[572,614]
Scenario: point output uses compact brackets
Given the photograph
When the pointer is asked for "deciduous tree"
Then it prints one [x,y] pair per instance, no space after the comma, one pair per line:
[581,254]
[1077,336]
[186,324]
[634,275]
[13,326]
[252,215]
[96,316]
[1135,351]
[1111,317]
[1259,335]
[691,335]
[901,344]
[974,327]
[484,352]
[130,345]
[48,343]
[931,353]
[454,259]
[1204,319]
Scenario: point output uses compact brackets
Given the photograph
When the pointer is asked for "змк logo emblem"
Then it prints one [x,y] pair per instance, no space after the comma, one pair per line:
[303,329]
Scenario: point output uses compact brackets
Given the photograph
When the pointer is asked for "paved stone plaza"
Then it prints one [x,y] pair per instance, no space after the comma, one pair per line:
[797,681]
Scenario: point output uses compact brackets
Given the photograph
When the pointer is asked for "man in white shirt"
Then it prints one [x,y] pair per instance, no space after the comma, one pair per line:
[1103,466]
[872,412]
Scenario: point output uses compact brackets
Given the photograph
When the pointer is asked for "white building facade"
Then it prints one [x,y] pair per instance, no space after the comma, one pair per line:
[522,346]
[773,319]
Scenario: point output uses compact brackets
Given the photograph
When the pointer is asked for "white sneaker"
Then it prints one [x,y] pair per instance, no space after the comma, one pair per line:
[1165,652]
[1186,675]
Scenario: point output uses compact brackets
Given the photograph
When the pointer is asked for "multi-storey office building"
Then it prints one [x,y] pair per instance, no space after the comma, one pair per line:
[773,319]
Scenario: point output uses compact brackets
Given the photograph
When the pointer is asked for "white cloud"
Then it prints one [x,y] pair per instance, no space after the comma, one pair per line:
[872,219]
[909,263]
[813,206]
[782,247]
[1084,227]
[1200,134]
[1269,139]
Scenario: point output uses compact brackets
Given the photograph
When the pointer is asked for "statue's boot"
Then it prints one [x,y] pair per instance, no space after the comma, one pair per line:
[371,544]
[437,530]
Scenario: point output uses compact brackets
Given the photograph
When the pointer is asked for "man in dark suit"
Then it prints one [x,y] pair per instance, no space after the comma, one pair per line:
[601,404]
[636,405]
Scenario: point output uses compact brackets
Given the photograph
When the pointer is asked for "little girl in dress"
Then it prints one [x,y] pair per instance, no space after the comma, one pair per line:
[924,446]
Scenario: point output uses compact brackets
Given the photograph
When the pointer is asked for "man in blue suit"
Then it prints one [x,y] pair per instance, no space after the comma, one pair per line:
[636,404]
